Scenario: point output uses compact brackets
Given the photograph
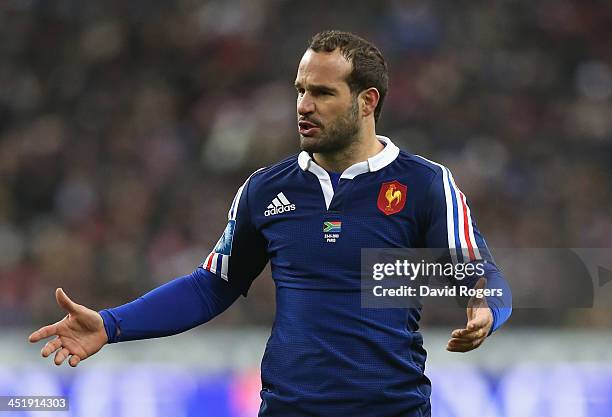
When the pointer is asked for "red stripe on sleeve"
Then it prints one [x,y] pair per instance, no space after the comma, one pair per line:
[466,228]
[209,261]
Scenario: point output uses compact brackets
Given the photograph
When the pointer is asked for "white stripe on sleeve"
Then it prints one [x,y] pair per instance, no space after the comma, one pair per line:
[450,223]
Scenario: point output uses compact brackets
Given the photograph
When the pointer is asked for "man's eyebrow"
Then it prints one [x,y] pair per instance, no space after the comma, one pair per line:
[317,87]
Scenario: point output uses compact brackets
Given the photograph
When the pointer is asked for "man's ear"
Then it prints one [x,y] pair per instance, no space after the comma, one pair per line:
[369,99]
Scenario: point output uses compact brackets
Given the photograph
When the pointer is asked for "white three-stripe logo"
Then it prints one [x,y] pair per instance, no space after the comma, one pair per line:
[280,204]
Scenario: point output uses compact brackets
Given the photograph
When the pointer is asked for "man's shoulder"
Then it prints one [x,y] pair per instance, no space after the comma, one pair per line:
[280,170]
[418,165]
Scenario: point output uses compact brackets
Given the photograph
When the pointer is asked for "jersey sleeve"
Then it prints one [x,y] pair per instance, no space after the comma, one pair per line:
[451,226]
[172,308]
[450,223]
[241,252]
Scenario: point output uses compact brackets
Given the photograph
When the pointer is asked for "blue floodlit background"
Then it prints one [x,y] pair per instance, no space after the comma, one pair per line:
[126,128]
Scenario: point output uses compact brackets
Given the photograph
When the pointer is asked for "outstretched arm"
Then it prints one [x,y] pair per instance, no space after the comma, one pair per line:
[179,305]
[174,307]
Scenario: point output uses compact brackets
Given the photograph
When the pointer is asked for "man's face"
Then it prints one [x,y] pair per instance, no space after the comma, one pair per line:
[327,112]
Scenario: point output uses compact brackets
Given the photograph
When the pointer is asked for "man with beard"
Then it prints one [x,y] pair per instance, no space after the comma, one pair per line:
[309,216]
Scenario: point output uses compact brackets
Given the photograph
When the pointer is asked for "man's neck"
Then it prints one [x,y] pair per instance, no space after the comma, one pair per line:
[359,151]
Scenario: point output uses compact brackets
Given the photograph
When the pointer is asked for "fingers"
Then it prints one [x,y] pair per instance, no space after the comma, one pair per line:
[43,333]
[470,337]
[74,360]
[51,347]
[467,335]
[65,302]
[464,340]
[454,345]
[476,330]
[52,329]
[477,327]
[60,356]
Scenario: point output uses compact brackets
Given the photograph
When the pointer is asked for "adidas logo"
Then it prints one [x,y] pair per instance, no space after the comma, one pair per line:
[279,205]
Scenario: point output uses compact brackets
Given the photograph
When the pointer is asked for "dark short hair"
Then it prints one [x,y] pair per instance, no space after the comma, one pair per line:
[369,66]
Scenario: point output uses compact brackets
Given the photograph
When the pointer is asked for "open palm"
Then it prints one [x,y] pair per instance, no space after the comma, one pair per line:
[78,335]
[479,322]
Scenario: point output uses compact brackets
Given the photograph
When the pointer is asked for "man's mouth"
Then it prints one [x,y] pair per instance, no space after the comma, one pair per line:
[307,128]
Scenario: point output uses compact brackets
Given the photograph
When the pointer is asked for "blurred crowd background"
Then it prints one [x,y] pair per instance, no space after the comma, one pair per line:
[127,127]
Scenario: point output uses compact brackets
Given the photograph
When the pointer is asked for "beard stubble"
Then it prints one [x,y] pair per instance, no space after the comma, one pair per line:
[337,136]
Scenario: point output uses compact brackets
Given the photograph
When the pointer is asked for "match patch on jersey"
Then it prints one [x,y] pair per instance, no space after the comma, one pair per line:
[332,227]
[331,230]
[392,197]
[224,245]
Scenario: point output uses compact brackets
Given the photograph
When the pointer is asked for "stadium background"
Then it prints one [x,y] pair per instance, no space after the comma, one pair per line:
[126,128]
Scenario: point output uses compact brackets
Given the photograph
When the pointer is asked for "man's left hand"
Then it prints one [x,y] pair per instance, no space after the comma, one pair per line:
[478,325]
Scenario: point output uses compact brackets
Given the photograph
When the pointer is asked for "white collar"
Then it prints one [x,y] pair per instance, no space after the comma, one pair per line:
[375,163]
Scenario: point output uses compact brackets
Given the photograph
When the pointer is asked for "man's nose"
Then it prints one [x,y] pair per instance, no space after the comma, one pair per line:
[305,105]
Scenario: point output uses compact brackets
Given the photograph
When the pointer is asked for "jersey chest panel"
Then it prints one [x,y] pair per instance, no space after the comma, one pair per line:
[310,245]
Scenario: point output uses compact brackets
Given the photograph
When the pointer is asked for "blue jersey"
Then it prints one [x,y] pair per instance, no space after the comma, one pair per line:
[326,355]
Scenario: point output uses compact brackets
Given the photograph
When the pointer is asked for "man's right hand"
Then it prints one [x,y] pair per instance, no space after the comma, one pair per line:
[79,335]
